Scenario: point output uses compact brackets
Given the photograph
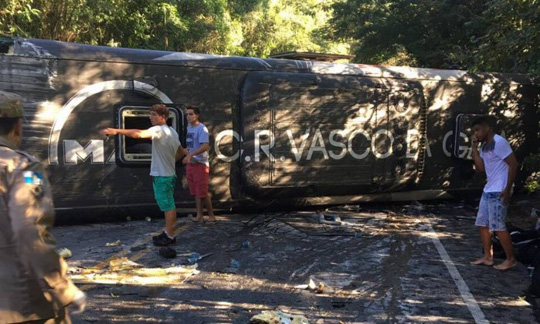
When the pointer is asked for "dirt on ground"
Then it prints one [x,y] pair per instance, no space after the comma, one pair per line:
[393,263]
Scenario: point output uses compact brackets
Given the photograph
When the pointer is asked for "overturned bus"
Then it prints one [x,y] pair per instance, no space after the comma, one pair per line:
[282,132]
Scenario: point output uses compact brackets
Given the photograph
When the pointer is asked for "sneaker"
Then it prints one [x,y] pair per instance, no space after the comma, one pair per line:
[162,234]
[164,241]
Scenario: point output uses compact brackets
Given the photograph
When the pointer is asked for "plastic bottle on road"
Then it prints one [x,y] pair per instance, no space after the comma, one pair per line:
[235,264]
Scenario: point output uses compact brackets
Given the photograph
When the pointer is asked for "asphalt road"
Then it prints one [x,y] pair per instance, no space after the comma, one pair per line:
[384,264]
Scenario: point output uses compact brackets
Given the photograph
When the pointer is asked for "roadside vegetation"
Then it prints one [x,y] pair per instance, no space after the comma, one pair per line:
[474,35]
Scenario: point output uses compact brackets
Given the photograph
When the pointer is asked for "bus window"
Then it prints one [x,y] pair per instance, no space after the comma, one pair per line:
[136,151]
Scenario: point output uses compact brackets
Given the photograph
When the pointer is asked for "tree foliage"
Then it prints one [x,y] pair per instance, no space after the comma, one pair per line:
[488,35]
[231,27]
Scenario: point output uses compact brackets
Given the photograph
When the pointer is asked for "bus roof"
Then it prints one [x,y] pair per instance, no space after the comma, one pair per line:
[74,51]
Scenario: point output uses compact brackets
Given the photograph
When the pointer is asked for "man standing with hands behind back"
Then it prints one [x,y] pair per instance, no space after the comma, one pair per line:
[499,162]
[198,167]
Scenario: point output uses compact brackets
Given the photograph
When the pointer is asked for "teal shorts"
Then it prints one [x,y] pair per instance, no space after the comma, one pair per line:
[164,192]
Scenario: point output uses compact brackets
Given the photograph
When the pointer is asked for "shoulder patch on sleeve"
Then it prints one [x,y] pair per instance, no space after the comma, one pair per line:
[33,177]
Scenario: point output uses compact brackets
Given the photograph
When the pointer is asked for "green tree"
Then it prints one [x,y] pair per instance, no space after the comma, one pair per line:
[417,33]
[511,39]
[233,27]
[286,25]
[488,35]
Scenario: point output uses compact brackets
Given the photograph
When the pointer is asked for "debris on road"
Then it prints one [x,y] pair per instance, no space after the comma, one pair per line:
[115,243]
[123,263]
[235,264]
[138,276]
[324,273]
[317,288]
[328,218]
[194,257]
[277,317]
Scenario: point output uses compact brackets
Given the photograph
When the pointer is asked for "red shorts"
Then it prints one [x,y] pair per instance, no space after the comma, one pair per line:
[197,175]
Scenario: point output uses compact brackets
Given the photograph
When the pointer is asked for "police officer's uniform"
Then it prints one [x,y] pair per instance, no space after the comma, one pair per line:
[33,281]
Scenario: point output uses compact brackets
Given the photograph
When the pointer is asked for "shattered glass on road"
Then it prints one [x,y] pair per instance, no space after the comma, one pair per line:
[376,265]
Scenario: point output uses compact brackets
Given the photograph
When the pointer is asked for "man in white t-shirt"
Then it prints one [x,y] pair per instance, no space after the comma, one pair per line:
[499,162]
[166,150]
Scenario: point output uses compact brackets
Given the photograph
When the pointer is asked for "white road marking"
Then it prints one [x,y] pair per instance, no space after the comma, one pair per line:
[471,303]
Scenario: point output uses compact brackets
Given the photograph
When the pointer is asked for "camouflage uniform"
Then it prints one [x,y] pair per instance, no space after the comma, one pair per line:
[34,286]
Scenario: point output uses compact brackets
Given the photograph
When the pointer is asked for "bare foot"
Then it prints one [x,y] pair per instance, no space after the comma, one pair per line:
[506,265]
[483,261]
[197,219]
[212,218]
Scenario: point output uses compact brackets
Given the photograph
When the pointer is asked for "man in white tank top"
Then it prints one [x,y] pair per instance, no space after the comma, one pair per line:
[499,162]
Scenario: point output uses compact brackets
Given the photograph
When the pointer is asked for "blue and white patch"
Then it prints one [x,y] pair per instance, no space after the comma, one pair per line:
[32,177]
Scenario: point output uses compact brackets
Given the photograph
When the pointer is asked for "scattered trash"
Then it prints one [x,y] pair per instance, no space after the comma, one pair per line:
[116,243]
[320,288]
[328,218]
[327,282]
[148,219]
[317,288]
[167,252]
[334,280]
[194,257]
[245,244]
[235,264]
[64,253]
[128,218]
[123,264]
[312,284]
[277,317]
[137,276]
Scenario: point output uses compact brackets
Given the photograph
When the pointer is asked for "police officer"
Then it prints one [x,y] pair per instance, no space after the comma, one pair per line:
[34,286]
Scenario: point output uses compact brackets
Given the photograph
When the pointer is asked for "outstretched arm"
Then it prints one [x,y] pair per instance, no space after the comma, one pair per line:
[133,133]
